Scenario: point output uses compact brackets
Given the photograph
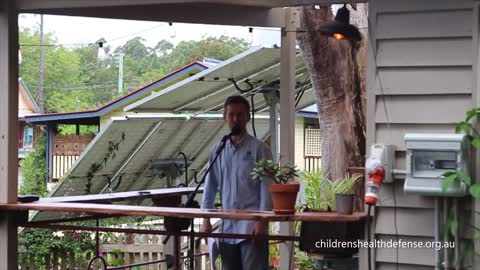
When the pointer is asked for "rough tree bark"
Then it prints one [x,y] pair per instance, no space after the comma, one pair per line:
[337,71]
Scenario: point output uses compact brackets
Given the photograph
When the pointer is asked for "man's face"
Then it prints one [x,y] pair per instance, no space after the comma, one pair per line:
[236,114]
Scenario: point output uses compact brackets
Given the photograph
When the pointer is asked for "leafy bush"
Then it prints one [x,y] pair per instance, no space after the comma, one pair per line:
[314,198]
[34,169]
[320,191]
[269,168]
[40,243]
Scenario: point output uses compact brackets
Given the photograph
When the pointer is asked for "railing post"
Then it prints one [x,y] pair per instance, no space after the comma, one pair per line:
[287,114]
[8,131]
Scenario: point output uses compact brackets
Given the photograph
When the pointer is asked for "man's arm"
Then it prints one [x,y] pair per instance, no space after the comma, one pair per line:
[209,192]
[211,185]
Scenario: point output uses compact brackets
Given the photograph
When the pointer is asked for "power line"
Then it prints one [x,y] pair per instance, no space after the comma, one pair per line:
[91,43]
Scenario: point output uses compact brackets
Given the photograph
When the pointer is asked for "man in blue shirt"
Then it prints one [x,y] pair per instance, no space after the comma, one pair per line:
[230,176]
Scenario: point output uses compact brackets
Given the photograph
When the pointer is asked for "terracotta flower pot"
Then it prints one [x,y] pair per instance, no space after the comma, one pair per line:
[284,197]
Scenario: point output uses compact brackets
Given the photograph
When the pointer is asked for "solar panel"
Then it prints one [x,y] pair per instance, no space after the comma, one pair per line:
[257,70]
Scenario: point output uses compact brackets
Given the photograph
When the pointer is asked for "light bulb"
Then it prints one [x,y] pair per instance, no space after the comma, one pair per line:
[171,30]
[338,36]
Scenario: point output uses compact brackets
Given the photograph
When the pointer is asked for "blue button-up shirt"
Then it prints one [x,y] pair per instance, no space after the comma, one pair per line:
[231,176]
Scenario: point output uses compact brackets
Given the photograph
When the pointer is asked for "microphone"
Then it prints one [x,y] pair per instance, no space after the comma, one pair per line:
[236,130]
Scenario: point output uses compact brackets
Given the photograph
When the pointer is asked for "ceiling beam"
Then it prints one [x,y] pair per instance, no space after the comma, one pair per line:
[184,13]
[32,5]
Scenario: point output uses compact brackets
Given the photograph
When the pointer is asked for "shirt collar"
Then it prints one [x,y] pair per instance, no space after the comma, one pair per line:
[242,141]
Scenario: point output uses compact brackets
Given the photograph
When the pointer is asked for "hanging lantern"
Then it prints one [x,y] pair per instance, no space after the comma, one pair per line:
[341,28]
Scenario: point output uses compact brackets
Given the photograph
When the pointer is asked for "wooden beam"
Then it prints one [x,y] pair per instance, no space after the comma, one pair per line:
[30,5]
[8,131]
[287,115]
[130,210]
[184,13]
[121,196]
[8,102]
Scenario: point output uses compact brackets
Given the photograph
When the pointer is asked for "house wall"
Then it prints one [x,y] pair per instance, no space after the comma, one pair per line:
[299,143]
[423,52]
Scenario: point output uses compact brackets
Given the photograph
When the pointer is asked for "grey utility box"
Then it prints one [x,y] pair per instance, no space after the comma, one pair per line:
[431,155]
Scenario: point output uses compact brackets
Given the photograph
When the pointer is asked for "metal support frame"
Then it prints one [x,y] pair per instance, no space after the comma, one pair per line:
[61,227]
[225,88]
[272,99]
[255,90]
[49,152]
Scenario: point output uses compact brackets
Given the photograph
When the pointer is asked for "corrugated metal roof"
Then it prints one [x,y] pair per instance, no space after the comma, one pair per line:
[92,116]
[207,90]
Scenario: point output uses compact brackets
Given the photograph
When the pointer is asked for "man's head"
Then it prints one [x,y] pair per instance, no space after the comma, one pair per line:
[236,112]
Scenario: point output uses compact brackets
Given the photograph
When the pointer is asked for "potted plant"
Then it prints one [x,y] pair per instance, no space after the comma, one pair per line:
[343,190]
[284,189]
[320,196]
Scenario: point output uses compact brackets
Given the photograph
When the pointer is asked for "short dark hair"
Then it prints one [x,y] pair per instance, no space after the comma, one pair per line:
[236,100]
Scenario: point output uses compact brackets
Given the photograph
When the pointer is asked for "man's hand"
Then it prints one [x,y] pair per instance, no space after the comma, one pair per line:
[260,230]
[206,228]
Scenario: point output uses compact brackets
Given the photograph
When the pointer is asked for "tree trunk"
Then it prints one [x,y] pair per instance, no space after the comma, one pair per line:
[337,71]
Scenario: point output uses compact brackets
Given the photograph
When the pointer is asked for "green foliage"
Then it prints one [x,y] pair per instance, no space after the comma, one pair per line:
[39,243]
[72,130]
[314,198]
[320,191]
[303,262]
[455,178]
[269,168]
[117,259]
[77,73]
[34,170]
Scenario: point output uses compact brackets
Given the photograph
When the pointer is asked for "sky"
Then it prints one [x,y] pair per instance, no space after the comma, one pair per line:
[83,30]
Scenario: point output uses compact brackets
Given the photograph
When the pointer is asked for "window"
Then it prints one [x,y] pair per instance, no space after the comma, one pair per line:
[313,143]
[28,137]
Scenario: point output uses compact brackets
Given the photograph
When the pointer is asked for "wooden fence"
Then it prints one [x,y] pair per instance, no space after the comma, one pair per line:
[117,249]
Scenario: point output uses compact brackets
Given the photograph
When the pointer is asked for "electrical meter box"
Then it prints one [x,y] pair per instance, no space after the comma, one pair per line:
[431,155]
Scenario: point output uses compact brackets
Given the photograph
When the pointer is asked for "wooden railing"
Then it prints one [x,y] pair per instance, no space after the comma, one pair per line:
[61,164]
[56,260]
[118,249]
[313,163]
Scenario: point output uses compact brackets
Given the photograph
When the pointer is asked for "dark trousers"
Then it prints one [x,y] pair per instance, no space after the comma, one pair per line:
[246,255]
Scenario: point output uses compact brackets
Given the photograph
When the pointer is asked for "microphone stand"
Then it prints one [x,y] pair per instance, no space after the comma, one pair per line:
[179,224]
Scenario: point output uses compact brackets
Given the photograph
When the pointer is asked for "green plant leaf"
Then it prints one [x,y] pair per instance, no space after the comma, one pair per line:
[448,181]
[475,190]
[476,235]
[463,126]
[465,178]
[453,225]
[470,114]
[476,143]
[445,174]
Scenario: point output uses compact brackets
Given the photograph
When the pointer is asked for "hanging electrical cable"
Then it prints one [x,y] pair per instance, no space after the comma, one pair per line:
[249,88]
[299,95]
[369,236]
[253,115]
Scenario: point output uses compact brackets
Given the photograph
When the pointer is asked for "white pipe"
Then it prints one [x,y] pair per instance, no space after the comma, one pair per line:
[437,231]
[457,235]
[446,261]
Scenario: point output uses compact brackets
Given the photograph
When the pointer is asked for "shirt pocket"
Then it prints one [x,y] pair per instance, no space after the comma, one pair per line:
[246,170]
